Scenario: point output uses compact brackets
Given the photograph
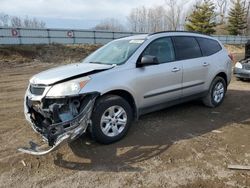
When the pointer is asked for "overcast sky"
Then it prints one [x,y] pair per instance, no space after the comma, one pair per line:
[73,13]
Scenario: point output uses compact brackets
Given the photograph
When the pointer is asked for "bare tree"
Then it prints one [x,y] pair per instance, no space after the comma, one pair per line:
[222,5]
[146,20]
[33,23]
[132,20]
[175,12]
[110,24]
[142,21]
[157,19]
[138,19]
[4,19]
[246,4]
[16,21]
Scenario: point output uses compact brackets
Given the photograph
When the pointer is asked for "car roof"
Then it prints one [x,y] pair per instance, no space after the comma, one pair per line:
[135,37]
[167,33]
[179,33]
[175,32]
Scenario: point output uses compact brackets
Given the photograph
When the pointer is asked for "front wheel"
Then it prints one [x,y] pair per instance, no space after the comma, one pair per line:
[111,119]
[216,93]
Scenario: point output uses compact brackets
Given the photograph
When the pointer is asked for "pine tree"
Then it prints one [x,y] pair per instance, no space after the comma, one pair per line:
[202,19]
[237,21]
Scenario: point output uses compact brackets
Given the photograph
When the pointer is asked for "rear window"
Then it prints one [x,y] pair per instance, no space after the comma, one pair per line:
[209,46]
[186,48]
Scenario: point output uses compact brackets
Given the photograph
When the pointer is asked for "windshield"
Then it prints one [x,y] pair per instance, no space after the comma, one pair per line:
[116,52]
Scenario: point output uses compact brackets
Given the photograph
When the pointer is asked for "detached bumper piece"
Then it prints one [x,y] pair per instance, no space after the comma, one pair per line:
[35,149]
[63,132]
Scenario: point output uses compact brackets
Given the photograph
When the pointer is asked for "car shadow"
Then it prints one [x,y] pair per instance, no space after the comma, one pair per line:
[154,133]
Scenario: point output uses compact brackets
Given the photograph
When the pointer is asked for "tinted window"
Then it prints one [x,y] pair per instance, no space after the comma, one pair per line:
[209,46]
[186,48]
[162,49]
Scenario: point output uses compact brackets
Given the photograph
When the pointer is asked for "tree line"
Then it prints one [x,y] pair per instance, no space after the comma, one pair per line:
[15,21]
[205,16]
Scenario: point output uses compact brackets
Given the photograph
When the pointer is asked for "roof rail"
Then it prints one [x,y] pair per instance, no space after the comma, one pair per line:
[150,34]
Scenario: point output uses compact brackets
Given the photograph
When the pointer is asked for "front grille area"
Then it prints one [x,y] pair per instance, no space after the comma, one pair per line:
[247,66]
[244,75]
[37,90]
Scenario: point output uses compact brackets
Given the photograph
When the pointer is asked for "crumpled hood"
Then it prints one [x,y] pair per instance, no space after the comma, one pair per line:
[57,74]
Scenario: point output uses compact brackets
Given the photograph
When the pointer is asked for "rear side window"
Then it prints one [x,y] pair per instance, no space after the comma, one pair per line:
[209,46]
[186,47]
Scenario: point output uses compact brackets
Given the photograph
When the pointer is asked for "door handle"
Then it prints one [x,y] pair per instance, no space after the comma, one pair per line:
[205,64]
[175,69]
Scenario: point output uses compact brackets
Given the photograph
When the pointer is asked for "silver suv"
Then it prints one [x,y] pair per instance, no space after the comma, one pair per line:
[123,80]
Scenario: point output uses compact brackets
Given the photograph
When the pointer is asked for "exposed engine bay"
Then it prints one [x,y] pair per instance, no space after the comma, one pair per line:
[59,119]
[242,68]
[56,106]
[246,63]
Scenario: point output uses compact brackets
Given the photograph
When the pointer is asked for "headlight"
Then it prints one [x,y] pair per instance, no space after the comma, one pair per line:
[238,65]
[68,88]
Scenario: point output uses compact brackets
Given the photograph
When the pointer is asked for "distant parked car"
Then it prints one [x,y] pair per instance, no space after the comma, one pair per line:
[123,80]
[242,68]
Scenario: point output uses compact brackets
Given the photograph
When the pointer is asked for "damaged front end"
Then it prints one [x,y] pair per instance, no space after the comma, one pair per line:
[57,120]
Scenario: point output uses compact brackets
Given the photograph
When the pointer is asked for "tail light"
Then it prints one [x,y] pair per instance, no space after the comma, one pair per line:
[231,56]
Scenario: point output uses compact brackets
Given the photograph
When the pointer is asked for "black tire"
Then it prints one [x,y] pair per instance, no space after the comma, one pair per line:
[103,104]
[209,100]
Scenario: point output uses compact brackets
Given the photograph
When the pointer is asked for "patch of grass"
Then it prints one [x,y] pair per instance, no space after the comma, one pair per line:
[55,53]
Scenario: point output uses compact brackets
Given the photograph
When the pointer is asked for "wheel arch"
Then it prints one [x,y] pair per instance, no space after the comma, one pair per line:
[223,75]
[127,96]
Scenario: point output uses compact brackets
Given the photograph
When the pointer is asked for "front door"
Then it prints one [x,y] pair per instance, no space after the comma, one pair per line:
[158,84]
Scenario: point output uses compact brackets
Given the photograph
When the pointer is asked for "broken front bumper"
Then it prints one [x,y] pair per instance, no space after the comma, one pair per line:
[56,134]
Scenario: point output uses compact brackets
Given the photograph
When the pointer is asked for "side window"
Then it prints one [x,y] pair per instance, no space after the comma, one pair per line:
[162,49]
[208,46]
[186,48]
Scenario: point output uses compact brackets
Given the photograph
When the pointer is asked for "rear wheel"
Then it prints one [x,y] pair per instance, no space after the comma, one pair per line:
[216,93]
[111,119]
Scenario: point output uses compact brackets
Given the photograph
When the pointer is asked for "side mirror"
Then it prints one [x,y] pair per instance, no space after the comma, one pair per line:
[148,60]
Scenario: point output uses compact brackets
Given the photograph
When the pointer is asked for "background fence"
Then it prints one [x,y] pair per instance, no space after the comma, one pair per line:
[68,36]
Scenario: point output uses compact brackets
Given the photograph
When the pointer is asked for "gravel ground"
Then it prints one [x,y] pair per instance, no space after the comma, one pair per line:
[188,145]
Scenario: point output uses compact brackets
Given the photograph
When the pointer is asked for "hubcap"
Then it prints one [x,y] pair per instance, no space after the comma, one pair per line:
[113,121]
[218,93]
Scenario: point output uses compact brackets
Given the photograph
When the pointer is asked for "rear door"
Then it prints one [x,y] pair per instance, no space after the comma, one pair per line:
[210,50]
[195,67]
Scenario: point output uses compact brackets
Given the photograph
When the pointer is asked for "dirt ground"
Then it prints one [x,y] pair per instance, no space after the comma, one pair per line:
[188,145]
